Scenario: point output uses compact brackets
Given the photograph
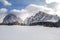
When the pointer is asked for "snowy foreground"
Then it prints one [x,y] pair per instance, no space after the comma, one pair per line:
[29,33]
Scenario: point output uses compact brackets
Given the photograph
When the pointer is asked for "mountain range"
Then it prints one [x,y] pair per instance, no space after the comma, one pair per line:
[40,18]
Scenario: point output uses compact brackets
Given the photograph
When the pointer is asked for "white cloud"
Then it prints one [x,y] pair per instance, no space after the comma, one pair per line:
[15,11]
[3,12]
[5,2]
[50,1]
[55,4]
[30,10]
[23,14]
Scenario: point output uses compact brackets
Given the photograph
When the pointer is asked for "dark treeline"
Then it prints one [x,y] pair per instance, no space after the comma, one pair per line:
[14,23]
[47,24]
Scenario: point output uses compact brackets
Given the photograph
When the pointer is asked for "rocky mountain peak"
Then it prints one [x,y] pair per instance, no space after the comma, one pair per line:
[11,18]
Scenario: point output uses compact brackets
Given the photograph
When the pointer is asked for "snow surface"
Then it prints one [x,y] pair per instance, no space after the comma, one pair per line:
[28,33]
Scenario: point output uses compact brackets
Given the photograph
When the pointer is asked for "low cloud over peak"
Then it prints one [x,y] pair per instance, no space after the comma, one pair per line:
[31,10]
[3,13]
[54,4]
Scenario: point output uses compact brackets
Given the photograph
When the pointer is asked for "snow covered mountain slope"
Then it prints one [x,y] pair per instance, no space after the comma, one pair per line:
[43,17]
[11,18]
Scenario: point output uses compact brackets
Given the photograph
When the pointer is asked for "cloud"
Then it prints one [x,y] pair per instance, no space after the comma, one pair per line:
[50,1]
[3,12]
[23,14]
[5,2]
[55,4]
[31,10]
[15,11]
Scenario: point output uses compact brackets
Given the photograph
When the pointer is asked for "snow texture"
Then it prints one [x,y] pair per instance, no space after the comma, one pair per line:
[29,33]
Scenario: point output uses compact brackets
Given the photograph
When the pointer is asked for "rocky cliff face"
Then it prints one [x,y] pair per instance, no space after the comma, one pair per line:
[12,19]
[43,17]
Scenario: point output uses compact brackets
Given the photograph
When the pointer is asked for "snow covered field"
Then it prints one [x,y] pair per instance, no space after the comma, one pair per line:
[29,33]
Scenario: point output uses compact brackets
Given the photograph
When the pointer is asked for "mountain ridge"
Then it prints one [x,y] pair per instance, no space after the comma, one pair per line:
[40,17]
